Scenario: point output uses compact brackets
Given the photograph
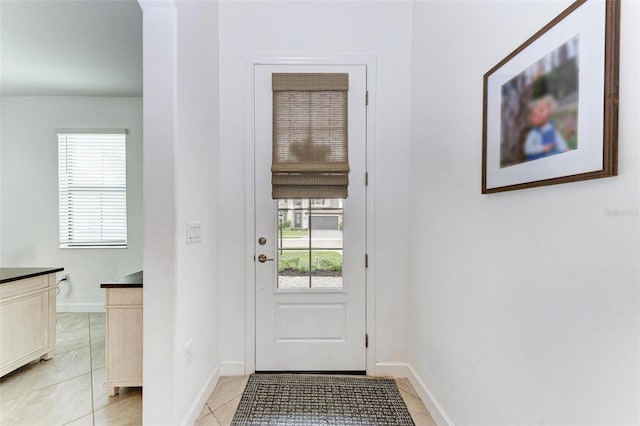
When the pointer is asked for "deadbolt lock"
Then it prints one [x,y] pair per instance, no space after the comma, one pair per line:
[262,241]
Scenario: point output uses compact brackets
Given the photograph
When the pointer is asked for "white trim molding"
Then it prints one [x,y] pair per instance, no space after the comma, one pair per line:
[232,368]
[80,307]
[403,369]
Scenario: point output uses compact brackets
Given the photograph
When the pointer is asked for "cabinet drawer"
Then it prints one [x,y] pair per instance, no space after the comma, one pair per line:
[124,296]
[23,286]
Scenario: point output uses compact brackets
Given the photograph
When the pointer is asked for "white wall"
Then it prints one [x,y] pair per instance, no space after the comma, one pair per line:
[383,29]
[159,257]
[525,304]
[29,156]
[181,122]
[196,160]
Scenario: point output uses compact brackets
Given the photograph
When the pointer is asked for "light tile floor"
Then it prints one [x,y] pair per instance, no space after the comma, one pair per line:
[67,390]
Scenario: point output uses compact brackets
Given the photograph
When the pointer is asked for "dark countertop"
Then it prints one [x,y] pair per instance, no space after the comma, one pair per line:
[131,280]
[8,275]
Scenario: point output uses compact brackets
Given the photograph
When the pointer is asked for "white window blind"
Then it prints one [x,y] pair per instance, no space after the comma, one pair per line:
[93,188]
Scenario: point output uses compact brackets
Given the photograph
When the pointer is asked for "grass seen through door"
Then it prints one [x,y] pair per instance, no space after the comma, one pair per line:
[296,262]
[294,233]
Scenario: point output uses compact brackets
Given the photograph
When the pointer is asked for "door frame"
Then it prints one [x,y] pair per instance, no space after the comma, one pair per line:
[370,61]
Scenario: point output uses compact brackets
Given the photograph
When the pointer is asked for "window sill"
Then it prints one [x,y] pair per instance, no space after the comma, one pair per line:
[65,247]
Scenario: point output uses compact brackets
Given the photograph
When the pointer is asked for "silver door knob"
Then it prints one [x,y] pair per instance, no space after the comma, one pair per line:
[263,258]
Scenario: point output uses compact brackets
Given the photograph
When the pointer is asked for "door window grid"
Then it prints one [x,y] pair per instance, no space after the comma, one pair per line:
[310,244]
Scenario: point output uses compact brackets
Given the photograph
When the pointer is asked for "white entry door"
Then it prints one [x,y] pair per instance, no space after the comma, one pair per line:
[310,284]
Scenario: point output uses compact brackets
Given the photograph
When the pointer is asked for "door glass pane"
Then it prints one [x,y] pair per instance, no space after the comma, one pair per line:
[293,232]
[326,269]
[293,269]
[310,243]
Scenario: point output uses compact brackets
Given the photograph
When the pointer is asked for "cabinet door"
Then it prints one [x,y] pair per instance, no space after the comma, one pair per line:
[24,327]
[124,345]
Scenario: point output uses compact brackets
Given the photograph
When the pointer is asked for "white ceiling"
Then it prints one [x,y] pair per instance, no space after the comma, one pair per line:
[70,48]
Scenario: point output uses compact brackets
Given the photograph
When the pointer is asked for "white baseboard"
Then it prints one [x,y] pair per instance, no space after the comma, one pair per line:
[391,369]
[80,307]
[232,368]
[203,396]
[403,369]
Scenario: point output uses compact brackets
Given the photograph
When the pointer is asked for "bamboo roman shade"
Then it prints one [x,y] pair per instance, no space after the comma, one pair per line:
[310,155]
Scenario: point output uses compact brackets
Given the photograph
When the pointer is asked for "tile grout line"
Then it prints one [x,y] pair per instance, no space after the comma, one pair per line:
[68,379]
[206,404]
[408,392]
[210,412]
[216,417]
[45,387]
[59,333]
[223,403]
[71,329]
[412,412]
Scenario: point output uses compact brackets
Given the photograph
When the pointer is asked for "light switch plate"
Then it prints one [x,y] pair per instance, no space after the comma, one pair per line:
[194,233]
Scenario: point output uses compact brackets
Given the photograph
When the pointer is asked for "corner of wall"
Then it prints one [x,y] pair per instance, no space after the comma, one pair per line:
[404,369]
[203,395]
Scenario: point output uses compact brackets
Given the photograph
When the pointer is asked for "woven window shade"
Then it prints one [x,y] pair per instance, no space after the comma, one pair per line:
[310,155]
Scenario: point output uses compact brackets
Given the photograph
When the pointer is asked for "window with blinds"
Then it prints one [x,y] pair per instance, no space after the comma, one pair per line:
[310,152]
[92,179]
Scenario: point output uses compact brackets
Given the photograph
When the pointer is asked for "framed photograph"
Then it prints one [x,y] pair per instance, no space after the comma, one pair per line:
[551,107]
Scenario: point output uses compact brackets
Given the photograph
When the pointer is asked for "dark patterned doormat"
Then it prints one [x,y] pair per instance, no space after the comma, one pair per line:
[291,399]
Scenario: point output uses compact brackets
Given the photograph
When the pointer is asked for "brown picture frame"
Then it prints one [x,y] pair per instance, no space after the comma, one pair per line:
[510,88]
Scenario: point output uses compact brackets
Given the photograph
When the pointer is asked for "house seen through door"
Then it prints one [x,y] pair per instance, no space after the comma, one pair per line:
[310,219]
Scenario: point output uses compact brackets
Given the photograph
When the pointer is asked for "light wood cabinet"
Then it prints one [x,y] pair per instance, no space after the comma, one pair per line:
[123,345]
[27,316]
